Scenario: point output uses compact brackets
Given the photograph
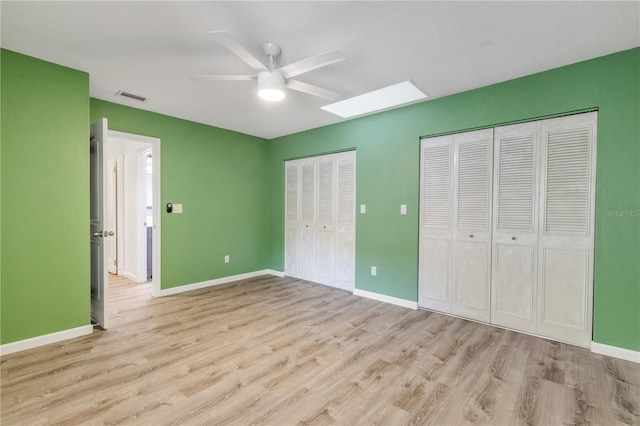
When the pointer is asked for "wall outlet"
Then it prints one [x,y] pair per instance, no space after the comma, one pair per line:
[226,258]
[374,270]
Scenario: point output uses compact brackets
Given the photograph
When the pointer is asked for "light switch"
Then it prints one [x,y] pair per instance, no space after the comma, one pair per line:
[226,258]
[403,209]
[363,209]
[177,208]
[374,270]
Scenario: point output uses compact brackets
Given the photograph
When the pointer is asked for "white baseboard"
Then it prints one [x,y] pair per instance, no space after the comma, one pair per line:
[274,272]
[130,276]
[217,281]
[616,352]
[46,339]
[387,299]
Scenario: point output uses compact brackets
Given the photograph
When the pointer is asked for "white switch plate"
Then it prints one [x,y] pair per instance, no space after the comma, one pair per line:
[403,209]
[363,209]
[226,258]
[177,208]
[374,270]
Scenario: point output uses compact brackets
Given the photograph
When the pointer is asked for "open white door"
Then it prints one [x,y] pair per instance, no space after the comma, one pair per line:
[111,244]
[98,233]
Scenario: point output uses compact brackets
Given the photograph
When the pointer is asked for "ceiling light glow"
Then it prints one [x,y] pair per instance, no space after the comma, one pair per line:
[271,86]
[377,100]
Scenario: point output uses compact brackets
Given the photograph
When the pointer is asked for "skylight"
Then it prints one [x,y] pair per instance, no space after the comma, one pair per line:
[377,100]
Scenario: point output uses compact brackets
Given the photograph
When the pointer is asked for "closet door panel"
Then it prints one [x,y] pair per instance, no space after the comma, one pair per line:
[472,280]
[515,233]
[307,192]
[436,223]
[292,207]
[306,229]
[326,254]
[513,289]
[345,259]
[291,238]
[564,294]
[307,253]
[472,185]
[345,221]
[325,227]
[435,266]
[567,228]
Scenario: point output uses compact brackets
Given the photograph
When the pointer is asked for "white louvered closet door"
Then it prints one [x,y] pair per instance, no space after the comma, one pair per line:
[565,288]
[436,223]
[345,275]
[320,219]
[325,221]
[307,229]
[472,190]
[515,233]
[291,223]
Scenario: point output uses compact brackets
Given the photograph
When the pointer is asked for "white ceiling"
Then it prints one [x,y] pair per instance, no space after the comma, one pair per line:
[149,48]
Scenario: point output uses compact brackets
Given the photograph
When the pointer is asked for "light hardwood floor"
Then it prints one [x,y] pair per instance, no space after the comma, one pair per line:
[282,351]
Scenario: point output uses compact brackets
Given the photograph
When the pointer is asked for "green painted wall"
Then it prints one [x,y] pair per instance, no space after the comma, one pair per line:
[387,147]
[220,177]
[233,198]
[45,197]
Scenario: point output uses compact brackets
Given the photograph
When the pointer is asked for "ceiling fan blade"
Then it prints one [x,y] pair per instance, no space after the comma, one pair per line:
[200,77]
[312,90]
[312,63]
[236,48]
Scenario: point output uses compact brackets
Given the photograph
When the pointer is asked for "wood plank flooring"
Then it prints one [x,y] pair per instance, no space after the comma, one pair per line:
[282,351]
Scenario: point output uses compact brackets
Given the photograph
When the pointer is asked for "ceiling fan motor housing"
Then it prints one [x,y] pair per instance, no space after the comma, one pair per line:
[271,85]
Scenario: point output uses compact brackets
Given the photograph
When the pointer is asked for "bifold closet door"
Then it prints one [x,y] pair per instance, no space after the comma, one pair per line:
[472,190]
[345,221]
[320,219]
[436,223]
[515,229]
[291,218]
[325,219]
[565,282]
[306,225]
[300,211]
[507,226]
[455,234]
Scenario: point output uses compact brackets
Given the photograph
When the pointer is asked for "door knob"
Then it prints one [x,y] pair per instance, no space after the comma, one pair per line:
[513,237]
[470,235]
[111,234]
[97,234]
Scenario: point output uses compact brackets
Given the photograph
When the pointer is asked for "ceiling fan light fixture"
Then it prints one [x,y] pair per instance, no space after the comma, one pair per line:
[271,86]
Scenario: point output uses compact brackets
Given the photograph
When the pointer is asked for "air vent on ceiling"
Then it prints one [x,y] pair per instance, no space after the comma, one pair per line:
[131,96]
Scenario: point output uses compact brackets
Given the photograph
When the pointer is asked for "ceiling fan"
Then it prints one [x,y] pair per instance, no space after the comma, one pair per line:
[272,81]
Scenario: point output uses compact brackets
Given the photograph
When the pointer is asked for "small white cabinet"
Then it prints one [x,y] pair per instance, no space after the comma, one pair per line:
[320,219]
[507,224]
